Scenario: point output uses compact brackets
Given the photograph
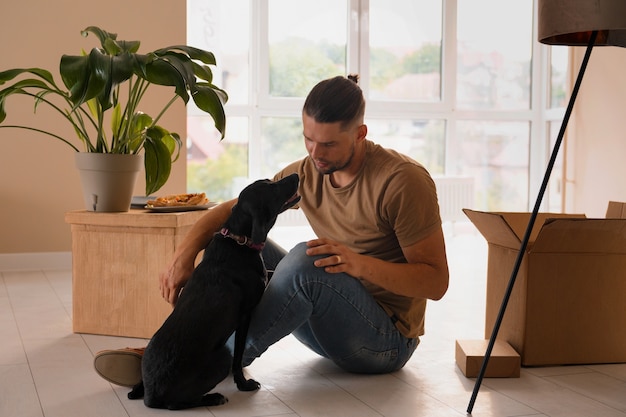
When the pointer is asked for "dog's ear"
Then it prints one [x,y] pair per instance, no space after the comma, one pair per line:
[259,229]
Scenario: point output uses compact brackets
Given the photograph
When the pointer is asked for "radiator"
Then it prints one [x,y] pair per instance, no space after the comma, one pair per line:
[455,194]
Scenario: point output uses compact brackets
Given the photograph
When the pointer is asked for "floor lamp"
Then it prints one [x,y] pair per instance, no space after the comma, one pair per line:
[573,23]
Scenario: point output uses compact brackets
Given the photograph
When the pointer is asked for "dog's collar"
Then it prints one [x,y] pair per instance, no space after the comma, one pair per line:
[242,240]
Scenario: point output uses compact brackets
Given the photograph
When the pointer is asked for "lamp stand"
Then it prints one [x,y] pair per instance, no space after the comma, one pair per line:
[531,222]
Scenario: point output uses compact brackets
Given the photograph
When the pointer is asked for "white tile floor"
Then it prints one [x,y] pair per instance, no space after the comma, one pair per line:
[46,370]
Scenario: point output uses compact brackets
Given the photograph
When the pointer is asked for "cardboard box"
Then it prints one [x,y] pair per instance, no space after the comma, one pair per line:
[504,361]
[568,305]
[116,261]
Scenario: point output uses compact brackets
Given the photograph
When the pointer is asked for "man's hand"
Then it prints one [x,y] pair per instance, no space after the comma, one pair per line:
[179,270]
[424,275]
[173,279]
[339,257]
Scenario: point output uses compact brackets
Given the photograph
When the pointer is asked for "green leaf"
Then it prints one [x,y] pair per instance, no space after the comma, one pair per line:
[110,43]
[193,53]
[19,88]
[103,35]
[203,72]
[30,82]
[120,69]
[92,105]
[157,161]
[137,131]
[83,82]
[3,113]
[209,99]
[113,47]
[116,120]
[170,72]
[12,73]
[173,143]
[94,75]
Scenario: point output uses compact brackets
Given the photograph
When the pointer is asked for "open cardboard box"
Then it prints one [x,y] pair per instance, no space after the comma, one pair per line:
[568,305]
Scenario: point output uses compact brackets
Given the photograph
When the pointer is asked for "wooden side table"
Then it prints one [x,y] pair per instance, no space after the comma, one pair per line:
[116,261]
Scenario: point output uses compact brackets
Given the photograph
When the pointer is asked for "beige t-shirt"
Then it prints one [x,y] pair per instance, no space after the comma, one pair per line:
[391,203]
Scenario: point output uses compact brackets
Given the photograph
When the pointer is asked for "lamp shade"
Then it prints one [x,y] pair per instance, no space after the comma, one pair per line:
[570,22]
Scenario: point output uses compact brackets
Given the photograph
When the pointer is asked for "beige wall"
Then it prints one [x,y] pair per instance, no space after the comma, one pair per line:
[596,148]
[39,182]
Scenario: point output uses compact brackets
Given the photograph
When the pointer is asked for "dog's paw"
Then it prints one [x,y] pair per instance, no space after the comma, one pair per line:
[213,399]
[137,392]
[248,385]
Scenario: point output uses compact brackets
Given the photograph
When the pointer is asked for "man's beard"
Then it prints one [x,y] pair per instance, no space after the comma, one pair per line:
[337,166]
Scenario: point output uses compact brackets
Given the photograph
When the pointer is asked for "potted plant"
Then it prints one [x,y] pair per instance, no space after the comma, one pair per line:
[105,87]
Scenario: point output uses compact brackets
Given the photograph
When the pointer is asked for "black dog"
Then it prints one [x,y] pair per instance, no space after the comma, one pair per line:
[187,357]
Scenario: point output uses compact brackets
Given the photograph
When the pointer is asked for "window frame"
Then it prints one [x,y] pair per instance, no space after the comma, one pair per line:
[539,115]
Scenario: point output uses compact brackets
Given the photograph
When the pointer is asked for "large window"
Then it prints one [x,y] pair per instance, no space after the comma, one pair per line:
[467,94]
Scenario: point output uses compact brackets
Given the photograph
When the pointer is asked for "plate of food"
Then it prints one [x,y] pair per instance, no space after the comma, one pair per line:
[179,202]
[140,201]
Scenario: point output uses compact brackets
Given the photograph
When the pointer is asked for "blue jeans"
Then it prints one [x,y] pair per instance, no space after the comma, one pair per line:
[332,314]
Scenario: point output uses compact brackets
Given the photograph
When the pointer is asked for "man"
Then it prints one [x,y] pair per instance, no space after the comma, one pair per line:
[356,294]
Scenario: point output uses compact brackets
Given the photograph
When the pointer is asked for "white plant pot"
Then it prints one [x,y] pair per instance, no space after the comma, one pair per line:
[108,180]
